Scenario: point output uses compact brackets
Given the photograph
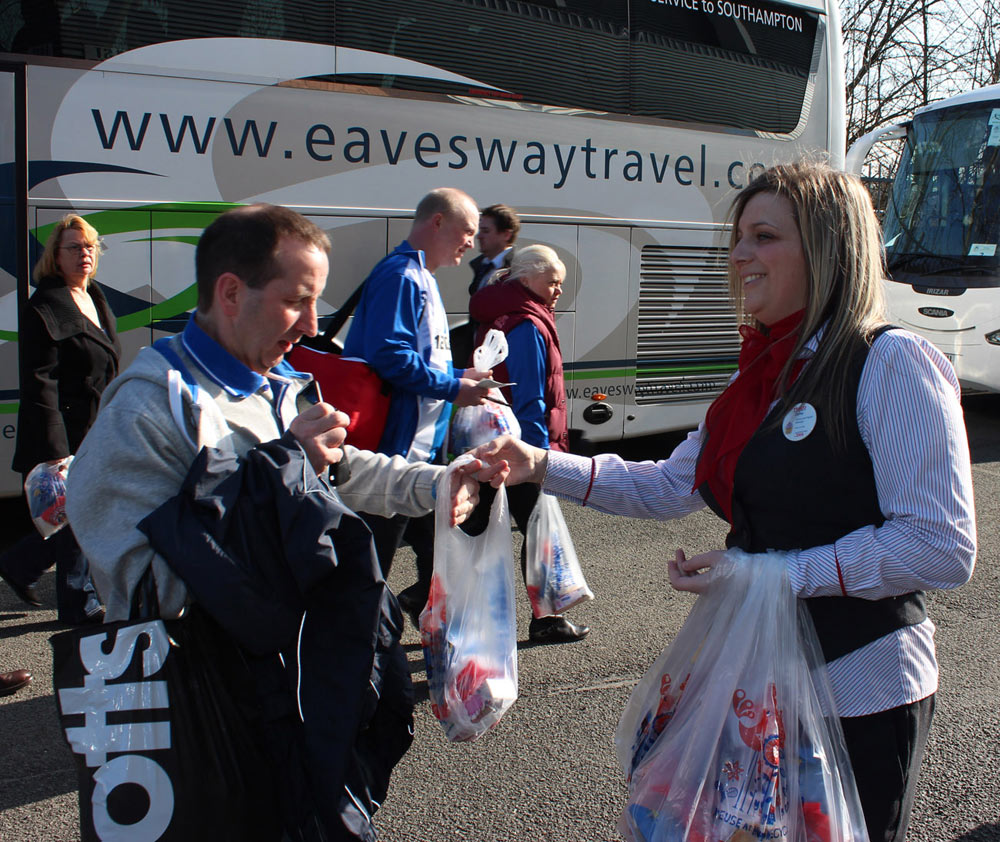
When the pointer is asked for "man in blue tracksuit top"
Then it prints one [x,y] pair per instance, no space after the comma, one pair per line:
[400,329]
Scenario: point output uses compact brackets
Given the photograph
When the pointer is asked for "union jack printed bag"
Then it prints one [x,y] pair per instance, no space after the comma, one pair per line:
[468,629]
[732,734]
[553,576]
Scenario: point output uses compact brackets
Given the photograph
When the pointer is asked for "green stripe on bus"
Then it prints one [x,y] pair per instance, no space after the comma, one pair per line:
[174,306]
[182,215]
[8,408]
[599,374]
[190,239]
[605,373]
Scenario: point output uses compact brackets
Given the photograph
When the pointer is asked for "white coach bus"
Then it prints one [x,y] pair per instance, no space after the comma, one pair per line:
[617,128]
[942,230]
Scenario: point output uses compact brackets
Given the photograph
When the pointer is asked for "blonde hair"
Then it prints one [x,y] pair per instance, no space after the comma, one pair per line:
[845,269]
[47,265]
[534,260]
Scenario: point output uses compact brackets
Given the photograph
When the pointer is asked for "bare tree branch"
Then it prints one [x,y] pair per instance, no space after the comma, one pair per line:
[902,54]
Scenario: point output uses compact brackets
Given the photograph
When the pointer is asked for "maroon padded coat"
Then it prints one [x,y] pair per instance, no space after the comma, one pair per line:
[504,306]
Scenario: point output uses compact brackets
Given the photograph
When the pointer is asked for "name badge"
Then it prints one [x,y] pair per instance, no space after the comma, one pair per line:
[799,422]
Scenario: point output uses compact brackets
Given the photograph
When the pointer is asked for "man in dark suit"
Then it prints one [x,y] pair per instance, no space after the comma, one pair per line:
[499,226]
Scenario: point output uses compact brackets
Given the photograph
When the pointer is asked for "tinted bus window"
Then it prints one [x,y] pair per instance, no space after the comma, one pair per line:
[737,64]
[743,65]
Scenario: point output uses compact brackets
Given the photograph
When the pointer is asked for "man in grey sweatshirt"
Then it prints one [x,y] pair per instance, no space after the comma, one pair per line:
[260,271]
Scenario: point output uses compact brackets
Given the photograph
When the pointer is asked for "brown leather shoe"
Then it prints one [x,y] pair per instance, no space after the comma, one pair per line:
[11,682]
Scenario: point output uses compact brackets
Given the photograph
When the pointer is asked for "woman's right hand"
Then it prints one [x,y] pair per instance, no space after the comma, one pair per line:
[526,463]
[693,574]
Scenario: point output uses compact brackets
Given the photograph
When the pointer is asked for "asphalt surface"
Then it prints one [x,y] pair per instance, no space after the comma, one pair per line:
[547,771]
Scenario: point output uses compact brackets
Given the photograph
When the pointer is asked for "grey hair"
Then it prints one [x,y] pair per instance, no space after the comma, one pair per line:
[534,260]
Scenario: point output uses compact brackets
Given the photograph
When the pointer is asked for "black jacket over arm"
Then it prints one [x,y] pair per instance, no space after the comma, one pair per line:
[271,553]
[66,361]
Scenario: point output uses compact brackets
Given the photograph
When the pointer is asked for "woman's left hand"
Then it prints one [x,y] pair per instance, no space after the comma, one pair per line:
[693,574]
[465,486]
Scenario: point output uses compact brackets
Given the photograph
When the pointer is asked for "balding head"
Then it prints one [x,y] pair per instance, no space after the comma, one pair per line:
[444,227]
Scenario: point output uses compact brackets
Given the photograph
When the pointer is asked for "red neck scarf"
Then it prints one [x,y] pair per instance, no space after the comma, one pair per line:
[736,414]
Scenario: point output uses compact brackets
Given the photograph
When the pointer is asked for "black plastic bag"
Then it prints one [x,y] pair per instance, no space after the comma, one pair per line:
[153,711]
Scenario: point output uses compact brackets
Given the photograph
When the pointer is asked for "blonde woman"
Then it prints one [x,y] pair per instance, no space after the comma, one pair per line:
[840,440]
[69,352]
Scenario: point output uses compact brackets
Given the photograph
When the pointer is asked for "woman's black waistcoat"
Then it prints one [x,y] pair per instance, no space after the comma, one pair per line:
[793,495]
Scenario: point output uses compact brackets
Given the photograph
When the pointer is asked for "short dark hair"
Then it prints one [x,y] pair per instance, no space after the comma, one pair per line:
[505,218]
[244,241]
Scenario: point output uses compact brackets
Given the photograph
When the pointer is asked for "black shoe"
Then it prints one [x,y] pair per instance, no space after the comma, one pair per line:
[412,600]
[555,629]
[93,618]
[27,593]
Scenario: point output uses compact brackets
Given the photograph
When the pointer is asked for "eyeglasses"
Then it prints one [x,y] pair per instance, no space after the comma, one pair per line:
[77,248]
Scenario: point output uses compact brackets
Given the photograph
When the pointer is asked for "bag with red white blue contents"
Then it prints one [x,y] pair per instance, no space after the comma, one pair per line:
[45,492]
[472,426]
[553,577]
[468,628]
[732,734]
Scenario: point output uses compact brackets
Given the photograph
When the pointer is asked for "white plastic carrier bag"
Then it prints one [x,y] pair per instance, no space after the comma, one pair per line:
[732,734]
[45,493]
[553,576]
[472,426]
[468,628]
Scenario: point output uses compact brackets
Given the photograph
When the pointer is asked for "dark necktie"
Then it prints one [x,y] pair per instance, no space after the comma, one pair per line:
[484,269]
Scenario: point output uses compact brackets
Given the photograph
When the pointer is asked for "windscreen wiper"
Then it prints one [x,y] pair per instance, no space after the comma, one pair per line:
[903,260]
[960,269]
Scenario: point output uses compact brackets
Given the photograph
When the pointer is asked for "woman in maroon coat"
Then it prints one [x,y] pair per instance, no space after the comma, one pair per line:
[520,303]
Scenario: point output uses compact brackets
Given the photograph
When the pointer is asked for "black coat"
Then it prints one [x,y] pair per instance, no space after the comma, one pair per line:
[275,558]
[66,362]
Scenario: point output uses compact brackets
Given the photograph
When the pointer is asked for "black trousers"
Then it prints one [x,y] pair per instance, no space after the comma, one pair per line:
[886,750]
[419,535]
[521,500]
[30,557]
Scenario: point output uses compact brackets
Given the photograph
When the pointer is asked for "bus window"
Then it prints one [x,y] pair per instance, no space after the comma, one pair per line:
[740,65]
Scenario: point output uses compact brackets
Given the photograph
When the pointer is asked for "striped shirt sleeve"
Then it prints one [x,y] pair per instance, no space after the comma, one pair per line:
[910,419]
[653,490]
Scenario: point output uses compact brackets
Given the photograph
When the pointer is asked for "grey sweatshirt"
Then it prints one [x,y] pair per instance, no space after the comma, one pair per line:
[136,456]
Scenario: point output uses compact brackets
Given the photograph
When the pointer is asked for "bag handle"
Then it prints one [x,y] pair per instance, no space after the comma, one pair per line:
[179,378]
[339,318]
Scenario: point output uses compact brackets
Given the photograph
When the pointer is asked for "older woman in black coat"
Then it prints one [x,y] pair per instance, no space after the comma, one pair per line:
[69,352]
